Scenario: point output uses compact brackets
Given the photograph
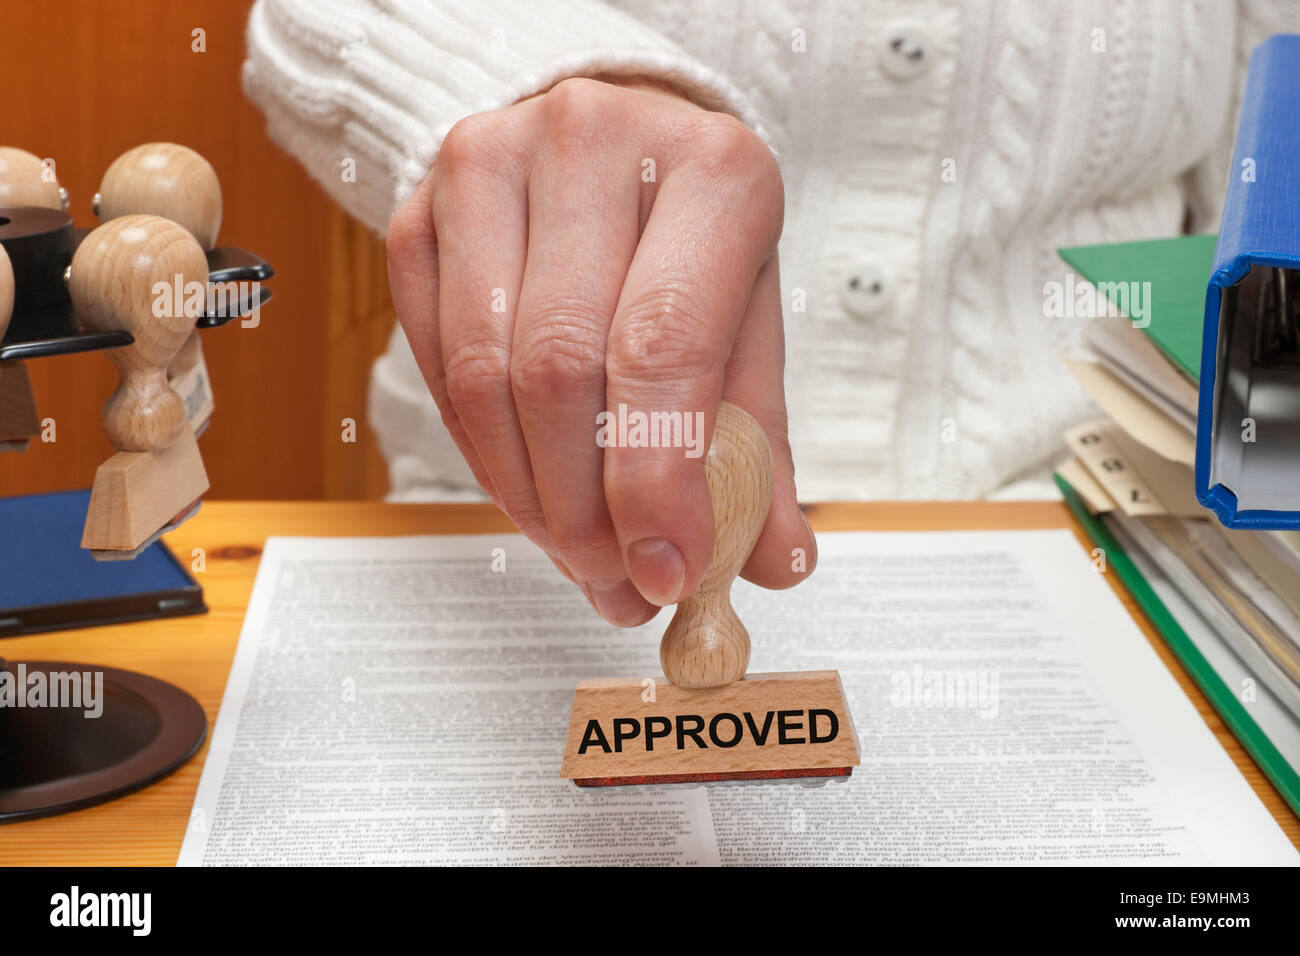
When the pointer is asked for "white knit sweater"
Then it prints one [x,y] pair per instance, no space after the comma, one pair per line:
[936,153]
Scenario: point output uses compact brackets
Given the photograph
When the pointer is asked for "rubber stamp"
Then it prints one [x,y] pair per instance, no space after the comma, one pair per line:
[707,720]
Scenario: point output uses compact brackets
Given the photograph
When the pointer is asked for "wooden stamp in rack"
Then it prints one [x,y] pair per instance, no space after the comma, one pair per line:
[156,477]
[139,286]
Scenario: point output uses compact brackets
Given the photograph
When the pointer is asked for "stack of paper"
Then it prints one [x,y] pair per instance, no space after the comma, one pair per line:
[1228,602]
[406,700]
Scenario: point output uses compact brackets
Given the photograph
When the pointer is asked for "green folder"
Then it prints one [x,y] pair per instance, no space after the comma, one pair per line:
[1178,270]
[1239,721]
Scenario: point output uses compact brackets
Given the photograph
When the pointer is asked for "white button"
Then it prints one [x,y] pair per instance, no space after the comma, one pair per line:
[865,290]
[907,51]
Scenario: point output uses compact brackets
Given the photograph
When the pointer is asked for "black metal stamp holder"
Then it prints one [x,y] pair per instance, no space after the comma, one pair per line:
[55,759]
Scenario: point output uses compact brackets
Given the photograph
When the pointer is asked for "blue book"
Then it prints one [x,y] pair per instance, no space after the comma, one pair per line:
[1248,415]
[49,582]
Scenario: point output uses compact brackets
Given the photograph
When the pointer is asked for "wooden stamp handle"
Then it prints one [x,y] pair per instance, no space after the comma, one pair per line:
[139,273]
[6,292]
[167,180]
[706,645]
[25,181]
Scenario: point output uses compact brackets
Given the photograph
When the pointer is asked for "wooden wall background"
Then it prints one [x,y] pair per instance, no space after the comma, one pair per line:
[85,80]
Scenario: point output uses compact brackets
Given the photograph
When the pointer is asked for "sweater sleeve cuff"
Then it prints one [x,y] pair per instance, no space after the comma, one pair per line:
[378,83]
[697,82]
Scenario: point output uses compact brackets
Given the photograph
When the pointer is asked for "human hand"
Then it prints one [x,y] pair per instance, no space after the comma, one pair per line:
[603,245]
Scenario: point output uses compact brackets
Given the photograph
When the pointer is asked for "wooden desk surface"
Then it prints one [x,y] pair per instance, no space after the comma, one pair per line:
[146,828]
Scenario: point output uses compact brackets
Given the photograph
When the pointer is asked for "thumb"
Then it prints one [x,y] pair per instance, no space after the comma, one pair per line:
[786,551]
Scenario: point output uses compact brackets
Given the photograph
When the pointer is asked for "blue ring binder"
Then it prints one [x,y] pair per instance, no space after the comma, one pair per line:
[1248,413]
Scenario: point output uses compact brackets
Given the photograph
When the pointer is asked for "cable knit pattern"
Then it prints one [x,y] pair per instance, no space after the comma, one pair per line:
[936,153]
[986,337]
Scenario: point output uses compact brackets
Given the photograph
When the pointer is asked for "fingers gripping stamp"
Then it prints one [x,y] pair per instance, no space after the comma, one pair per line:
[157,476]
[709,721]
[706,645]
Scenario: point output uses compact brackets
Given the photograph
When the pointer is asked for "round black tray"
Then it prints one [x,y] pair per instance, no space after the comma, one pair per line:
[56,759]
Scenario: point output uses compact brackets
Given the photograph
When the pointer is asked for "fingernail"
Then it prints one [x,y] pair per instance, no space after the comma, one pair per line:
[618,601]
[658,570]
[811,563]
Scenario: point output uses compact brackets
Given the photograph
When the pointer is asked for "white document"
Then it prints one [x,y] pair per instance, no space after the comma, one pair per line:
[405,700]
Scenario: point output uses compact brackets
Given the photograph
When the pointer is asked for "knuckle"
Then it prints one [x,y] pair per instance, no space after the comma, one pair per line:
[663,337]
[764,181]
[408,242]
[565,350]
[732,153]
[405,228]
[477,147]
[728,142]
[577,108]
[464,144]
[476,377]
